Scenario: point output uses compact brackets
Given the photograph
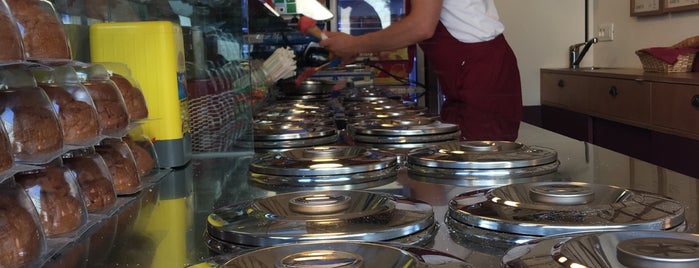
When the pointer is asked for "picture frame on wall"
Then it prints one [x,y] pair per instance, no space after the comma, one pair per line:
[647,7]
[680,5]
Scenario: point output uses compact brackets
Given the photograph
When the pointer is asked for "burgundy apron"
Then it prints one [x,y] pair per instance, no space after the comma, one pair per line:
[481,85]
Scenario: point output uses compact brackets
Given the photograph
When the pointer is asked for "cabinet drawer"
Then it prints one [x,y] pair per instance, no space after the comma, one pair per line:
[620,99]
[565,91]
[676,106]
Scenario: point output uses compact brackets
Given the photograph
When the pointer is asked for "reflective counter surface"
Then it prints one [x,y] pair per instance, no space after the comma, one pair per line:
[164,225]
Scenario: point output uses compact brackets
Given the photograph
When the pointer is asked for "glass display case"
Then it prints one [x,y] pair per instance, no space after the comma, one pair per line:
[205,67]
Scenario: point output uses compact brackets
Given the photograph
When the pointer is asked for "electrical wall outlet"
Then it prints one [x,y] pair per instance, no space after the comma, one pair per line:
[605,32]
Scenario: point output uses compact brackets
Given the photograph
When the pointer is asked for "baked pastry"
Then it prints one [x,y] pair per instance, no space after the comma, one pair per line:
[59,211]
[110,106]
[6,160]
[102,242]
[78,119]
[42,33]
[121,166]
[93,177]
[35,130]
[133,97]
[21,239]
[75,256]
[10,39]
[144,161]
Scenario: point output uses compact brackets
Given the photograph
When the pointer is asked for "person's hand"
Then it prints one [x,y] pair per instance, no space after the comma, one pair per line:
[341,46]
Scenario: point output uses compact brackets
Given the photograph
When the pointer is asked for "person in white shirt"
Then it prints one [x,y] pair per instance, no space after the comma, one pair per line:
[464,42]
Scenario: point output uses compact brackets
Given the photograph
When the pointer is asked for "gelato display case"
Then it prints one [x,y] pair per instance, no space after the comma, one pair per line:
[234,165]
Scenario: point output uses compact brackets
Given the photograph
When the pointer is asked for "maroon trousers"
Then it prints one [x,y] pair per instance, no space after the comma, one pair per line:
[481,85]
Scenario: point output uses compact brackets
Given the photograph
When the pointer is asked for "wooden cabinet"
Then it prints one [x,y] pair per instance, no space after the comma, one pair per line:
[663,102]
[620,99]
[564,91]
[675,107]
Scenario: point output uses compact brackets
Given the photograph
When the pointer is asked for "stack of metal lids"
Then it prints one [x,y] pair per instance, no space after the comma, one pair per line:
[481,163]
[383,109]
[517,213]
[349,254]
[273,135]
[298,112]
[311,216]
[292,125]
[323,168]
[365,94]
[309,90]
[638,249]
[408,132]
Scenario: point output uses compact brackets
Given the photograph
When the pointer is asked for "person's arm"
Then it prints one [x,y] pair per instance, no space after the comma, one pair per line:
[418,25]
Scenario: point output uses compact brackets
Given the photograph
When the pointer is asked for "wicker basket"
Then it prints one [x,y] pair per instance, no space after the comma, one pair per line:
[684,62]
[653,64]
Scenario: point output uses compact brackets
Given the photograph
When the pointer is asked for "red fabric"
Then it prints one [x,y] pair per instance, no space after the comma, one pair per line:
[669,54]
[481,84]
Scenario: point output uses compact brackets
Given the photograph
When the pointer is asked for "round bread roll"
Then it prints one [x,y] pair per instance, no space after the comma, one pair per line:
[6,160]
[60,212]
[43,35]
[110,106]
[133,97]
[10,39]
[144,161]
[95,185]
[20,234]
[78,119]
[36,130]
[121,166]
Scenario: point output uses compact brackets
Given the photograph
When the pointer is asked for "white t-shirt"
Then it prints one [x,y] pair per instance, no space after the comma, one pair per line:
[471,21]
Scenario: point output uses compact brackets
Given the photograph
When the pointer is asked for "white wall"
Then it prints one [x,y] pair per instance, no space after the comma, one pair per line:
[633,33]
[540,32]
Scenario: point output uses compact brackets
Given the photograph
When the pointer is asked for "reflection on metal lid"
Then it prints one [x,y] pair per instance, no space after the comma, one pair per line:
[511,209]
[322,215]
[481,163]
[642,249]
[345,254]
[301,161]
[482,155]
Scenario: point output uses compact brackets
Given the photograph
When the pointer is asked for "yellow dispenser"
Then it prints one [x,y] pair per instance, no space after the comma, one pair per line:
[154,51]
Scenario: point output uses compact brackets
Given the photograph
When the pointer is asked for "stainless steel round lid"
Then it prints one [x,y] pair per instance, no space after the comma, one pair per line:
[364,95]
[550,208]
[323,160]
[482,155]
[641,249]
[319,97]
[293,112]
[383,109]
[295,143]
[320,215]
[403,127]
[406,140]
[404,121]
[387,113]
[268,131]
[385,103]
[308,86]
[346,254]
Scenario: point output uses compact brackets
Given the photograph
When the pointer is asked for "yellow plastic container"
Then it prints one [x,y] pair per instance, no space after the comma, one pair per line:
[154,51]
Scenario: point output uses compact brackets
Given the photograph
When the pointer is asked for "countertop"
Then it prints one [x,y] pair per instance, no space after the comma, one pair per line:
[164,225]
[691,78]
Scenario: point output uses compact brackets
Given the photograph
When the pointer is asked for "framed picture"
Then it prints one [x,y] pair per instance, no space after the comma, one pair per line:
[680,5]
[647,7]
